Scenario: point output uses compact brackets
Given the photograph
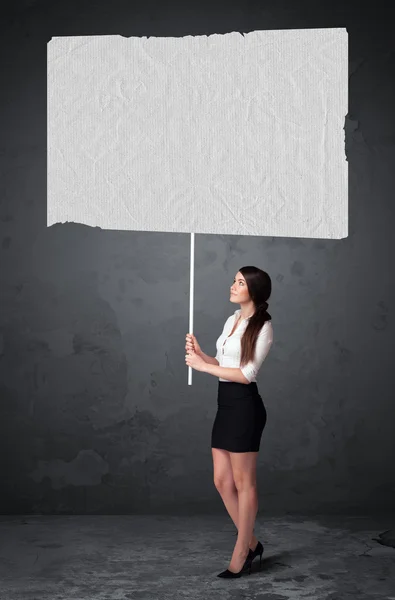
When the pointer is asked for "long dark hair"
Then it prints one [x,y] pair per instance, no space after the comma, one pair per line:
[259,287]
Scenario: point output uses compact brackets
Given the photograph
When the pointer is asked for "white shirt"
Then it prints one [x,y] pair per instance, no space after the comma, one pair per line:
[229,348]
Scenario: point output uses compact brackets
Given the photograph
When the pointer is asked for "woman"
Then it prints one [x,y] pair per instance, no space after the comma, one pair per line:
[241,416]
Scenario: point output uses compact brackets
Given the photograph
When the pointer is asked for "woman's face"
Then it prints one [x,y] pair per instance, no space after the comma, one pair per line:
[239,289]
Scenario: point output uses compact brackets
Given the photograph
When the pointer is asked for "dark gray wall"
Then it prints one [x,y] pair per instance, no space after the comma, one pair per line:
[96,414]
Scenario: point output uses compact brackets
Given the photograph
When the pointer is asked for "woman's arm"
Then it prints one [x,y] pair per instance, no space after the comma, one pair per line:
[263,345]
[229,373]
[211,360]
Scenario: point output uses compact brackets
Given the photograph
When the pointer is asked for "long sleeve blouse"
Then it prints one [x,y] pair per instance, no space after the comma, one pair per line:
[229,348]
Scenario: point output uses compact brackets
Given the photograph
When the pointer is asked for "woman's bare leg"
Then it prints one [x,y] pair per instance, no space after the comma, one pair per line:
[224,482]
[244,474]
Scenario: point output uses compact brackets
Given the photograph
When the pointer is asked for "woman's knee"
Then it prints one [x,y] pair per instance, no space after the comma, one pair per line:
[224,484]
[243,483]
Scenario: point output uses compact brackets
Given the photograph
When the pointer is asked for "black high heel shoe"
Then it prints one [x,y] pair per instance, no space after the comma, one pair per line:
[252,554]
[246,567]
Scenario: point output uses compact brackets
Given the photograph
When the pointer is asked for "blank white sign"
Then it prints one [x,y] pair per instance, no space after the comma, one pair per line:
[224,134]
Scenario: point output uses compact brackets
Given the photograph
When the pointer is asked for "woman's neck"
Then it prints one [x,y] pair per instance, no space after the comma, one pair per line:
[247,311]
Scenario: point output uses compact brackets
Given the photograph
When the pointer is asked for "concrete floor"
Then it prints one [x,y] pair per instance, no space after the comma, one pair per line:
[160,557]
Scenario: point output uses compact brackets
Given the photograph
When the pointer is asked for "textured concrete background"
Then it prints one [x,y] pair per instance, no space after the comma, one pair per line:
[95,414]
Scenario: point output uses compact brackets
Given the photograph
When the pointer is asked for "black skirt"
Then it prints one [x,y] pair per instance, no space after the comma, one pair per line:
[240,418]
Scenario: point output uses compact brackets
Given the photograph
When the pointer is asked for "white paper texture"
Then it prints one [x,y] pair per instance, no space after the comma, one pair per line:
[223,134]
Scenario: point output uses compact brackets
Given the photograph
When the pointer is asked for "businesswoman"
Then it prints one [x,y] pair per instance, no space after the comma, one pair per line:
[241,415]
